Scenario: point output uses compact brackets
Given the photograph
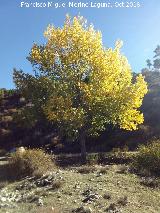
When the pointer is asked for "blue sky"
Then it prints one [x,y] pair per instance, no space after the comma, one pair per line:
[20,27]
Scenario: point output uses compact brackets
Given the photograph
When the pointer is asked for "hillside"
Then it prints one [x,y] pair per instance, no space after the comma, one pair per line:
[13,134]
[9,106]
[151,102]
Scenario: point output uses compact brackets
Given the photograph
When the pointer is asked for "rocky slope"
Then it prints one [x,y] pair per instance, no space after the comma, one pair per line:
[85,189]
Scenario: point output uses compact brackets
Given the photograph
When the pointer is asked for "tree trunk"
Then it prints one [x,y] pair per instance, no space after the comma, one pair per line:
[83,147]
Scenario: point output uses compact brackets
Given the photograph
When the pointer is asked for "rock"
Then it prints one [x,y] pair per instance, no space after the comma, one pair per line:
[82,209]
[26,185]
[107,196]
[21,150]
[70,193]
[90,196]
[87,192]
[25,191]
[123,201]
[22,100]
[113,208]
[2,205]
[33,198]
[40,202]
[98,174]
[3,199]
[77,186]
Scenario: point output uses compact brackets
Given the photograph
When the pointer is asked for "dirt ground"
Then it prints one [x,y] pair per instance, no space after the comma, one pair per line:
[98,188]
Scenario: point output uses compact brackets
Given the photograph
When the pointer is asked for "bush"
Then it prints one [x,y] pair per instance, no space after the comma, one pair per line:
[151,182]
[1,93]
[92,159]
[147,160]
[31,162]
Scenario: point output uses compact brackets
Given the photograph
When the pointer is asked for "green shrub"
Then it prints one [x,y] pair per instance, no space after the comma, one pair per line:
[147,160]
[31,162]
[117,153]
[10,92]
[92,159]
[1,95]
[102,157]
[1,92]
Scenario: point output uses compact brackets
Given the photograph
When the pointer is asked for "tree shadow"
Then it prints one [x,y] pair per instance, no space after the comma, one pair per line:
[67,160]
[6,175]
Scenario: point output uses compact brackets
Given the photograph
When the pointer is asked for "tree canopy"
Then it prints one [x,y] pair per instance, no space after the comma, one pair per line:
[155,65]
[80,84]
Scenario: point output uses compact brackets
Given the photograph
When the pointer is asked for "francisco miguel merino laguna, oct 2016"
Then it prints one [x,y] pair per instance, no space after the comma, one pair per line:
[80,4]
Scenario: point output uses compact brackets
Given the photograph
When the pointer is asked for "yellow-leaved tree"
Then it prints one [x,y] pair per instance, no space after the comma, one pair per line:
[80,84]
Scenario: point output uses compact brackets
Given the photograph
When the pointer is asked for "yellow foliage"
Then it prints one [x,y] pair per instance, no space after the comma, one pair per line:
[93,85]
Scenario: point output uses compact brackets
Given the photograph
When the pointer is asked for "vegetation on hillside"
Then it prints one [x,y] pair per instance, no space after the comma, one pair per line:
[151,103]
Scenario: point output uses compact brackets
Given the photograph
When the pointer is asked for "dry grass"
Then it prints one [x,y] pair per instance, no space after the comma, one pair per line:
[147,160]
[33,162]
[86,169]
[103,170]
[123,169]
[122,191]
[7,118]
[49,209]
[57,184]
